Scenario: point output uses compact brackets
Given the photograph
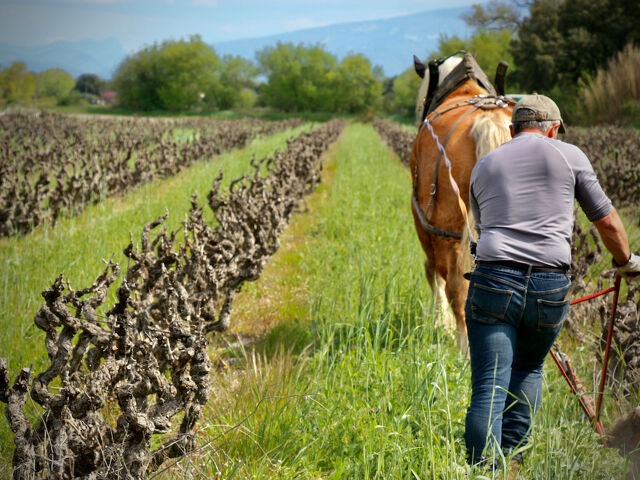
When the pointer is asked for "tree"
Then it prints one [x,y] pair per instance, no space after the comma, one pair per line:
[494,15]
[17,84]
[405,91]
[54,83]
[89,83]
[359,86]
[299,77]
[173,75]
[236,77]
[562,41]
[489,47]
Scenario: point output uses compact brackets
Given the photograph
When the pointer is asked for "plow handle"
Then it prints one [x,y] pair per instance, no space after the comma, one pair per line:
[607,350]
[577,387]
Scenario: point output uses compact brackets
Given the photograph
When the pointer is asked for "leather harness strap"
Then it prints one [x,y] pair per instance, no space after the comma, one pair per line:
[434,186]
[484,102]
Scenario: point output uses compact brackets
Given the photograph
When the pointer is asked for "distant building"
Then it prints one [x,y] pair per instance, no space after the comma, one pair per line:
[108,97]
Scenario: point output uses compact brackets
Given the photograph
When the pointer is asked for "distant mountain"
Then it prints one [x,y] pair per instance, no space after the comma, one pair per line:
[100,57]
[390,43]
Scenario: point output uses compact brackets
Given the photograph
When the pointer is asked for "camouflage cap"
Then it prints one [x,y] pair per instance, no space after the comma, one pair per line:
[537,108]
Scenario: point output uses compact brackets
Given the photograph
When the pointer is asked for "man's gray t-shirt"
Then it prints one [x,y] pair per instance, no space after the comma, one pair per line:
[522,196]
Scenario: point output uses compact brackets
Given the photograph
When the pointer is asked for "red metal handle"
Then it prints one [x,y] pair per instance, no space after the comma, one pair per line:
[570,376]
[607,350]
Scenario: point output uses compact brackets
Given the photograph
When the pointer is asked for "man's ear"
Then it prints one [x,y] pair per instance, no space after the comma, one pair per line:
[511,130]
[553,131]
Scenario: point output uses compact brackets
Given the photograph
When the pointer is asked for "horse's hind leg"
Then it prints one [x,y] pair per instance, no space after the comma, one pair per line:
[456,290]
[437,284]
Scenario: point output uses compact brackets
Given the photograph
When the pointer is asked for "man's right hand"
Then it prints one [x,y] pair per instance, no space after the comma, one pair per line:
[631,270]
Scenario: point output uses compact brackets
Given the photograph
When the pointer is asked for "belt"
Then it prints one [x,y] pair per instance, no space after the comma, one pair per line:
[523,266]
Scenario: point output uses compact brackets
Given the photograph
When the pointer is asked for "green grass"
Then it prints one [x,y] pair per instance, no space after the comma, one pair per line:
[77,245]
[379,392]
[355,380]
[407,120]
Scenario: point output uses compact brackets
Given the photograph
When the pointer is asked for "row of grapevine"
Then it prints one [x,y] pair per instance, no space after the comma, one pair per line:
[51,164]
[398,139]
[613,151]
[120,374]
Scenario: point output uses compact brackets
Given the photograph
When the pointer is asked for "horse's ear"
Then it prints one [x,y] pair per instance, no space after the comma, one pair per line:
[501,72]
[419,66]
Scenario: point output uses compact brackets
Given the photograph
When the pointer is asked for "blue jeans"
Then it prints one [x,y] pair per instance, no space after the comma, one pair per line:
[513,318]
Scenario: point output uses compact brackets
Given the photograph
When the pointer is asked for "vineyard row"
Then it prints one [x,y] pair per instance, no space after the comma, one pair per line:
[51,164]
[127,370]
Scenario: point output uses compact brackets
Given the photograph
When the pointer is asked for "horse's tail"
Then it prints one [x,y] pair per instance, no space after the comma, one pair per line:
[489,131]
[465,259]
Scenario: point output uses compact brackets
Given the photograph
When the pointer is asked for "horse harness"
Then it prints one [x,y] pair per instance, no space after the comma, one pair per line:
[482,102]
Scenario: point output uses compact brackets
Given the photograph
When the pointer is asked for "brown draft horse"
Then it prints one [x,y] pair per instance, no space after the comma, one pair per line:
[479,132]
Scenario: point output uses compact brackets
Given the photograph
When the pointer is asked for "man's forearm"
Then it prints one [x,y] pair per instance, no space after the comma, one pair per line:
[614,236]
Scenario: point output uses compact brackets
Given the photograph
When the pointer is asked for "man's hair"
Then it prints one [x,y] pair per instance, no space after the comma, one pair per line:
[542,126]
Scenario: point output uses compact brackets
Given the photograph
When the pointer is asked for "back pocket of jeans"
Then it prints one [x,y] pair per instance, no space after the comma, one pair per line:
[489,304]
[551,313]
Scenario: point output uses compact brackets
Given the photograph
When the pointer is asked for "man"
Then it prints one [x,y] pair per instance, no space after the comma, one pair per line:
[522,197]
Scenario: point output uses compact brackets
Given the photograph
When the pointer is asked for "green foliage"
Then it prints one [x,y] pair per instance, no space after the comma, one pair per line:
[173,75]
[247,99]
[299,77]
[359,86]
[561,41]
[74,97]
[17,84]
[54,83]
[304,78]
[489,46]
[405,91]
[89,83]
[235,83]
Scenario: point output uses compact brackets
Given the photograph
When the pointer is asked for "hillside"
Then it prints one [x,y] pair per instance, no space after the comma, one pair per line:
[389,43]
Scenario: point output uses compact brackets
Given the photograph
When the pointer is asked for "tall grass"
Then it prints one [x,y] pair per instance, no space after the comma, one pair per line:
[380,391]
[77,245]
[356,381]
[613,95]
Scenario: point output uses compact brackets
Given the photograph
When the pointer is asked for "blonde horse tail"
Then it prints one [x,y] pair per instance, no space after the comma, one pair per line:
[464,259]
[489,131]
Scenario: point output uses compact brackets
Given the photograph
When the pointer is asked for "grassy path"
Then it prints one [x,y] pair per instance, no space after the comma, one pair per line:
[378,391]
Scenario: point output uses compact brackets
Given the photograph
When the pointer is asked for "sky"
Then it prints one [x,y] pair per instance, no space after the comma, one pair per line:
[136,23]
